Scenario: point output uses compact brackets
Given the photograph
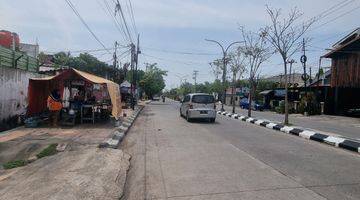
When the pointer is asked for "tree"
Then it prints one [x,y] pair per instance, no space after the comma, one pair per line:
[185,88]
[216,68]
[217,87]
[256,51]
[284,36]
[61,59]
[153,81]
[88,63]
[139,75]
[237,68]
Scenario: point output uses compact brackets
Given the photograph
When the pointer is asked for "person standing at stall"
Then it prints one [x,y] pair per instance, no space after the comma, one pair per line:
[54,105]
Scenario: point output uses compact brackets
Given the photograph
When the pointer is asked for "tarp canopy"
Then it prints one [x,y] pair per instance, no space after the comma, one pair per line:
[40,88]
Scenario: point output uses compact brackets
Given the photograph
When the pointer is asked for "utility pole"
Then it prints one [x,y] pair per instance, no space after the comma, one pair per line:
[224,51]
[136,61]
[195,73]
[303,60]
[304,76]
[132,63]
[115,56]
[310,78]
[291,62]
[135,51]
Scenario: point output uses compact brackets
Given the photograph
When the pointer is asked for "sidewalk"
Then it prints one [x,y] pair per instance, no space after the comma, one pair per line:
[345,127]
[80,171]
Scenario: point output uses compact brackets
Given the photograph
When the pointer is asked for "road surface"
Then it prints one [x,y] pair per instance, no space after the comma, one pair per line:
[174,159]
[347,127]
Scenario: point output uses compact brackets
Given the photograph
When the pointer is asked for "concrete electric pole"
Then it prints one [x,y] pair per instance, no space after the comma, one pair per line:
[195,73]
[115,56]
[132,67]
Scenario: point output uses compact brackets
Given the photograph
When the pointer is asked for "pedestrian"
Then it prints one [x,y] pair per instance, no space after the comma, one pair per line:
[54,105]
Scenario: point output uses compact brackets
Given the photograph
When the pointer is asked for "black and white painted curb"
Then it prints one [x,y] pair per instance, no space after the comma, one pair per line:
[301,132]
[120,131]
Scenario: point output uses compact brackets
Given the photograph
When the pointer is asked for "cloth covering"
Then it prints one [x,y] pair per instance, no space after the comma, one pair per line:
[39,86]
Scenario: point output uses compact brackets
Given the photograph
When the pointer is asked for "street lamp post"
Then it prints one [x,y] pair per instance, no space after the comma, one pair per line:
[224,51]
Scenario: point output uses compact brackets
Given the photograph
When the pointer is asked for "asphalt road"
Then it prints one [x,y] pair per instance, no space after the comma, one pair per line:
[347,127]
[174,159]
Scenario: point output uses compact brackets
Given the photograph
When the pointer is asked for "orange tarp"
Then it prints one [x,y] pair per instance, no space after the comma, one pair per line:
[39,89]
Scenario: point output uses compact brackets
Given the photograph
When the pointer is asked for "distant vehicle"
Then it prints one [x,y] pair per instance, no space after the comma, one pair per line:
[198,106]
[156,98]
[244,104]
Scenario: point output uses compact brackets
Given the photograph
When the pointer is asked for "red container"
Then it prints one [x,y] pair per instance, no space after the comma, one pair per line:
[6,38]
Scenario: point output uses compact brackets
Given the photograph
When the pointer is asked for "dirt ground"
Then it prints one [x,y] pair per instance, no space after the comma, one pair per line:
[85,173]
[22,143]
[82,171]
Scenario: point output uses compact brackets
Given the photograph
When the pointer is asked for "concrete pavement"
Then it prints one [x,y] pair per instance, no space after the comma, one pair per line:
[326,138]
[337,125]
[174,159]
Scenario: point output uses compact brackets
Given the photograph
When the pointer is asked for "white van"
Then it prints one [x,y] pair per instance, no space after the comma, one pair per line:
[198,106]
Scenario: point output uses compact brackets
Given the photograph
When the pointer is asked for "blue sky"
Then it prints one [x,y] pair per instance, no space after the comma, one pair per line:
[171,25]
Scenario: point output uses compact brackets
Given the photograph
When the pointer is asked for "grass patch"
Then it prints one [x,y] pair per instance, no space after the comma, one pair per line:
[14,164]
[48,151]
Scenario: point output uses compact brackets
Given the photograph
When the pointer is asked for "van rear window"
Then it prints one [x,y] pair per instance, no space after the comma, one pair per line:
[203,99]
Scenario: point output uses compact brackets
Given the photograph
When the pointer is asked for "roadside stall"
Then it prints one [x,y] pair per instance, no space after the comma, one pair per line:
[85,97]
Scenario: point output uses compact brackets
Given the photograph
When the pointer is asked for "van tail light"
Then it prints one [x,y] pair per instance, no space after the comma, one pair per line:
[191,106]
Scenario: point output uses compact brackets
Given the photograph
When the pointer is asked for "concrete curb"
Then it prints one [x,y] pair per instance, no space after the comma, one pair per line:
[117,136]
[301,132]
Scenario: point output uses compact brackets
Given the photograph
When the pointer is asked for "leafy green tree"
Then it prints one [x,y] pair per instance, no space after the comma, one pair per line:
[61,59]
[88,63]
[153,81]
[140,74]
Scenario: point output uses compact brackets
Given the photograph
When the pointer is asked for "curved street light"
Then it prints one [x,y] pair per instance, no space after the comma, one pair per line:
[224,51]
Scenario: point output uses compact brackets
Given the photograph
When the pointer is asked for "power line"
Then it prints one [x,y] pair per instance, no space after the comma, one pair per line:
[88,50]
[119,8]
[85,24]
[171,60]
[181,52]
[131,13]
[335,7]
[335,18]
[118,26]
[333,36]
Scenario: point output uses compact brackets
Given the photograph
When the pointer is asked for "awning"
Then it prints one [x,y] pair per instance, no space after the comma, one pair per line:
[36,94]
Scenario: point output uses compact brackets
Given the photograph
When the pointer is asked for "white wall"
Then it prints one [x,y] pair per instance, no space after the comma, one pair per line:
[13,91]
